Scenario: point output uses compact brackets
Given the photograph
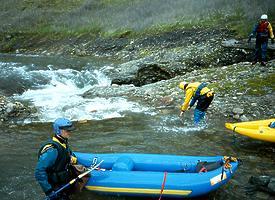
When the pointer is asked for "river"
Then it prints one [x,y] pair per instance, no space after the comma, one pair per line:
[54,86]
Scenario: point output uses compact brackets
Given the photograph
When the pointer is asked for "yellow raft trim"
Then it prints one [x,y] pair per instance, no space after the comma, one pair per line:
[138,190]
[258,130]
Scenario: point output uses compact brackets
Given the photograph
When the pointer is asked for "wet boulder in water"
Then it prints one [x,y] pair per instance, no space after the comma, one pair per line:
[262,183]
[259,180]
[12,110]
[146,74]
[151,73]
[271,185]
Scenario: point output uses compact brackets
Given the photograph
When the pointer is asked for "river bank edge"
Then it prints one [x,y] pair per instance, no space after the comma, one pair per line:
[169,56]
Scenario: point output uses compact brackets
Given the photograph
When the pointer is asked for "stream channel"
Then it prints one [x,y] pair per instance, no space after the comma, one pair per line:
[54,85]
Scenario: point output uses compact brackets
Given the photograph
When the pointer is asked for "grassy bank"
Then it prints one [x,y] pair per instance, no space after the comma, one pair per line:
[128,17]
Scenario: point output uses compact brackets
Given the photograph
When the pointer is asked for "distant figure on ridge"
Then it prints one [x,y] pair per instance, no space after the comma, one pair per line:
[196,92]
[262,30]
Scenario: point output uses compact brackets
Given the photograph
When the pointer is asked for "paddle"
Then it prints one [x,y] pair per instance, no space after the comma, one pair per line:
[74,180]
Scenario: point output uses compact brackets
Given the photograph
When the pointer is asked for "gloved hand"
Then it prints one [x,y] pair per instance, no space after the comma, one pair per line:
[52,196]
[272,41]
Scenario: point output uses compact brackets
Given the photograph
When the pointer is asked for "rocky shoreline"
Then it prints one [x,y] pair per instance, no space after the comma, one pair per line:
[152,66]
[237,97]
[11,110]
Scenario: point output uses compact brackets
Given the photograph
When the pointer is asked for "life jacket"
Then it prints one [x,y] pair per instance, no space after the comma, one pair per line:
[205,166]
[198,91]
[61,172]
[262,30]
[197,94]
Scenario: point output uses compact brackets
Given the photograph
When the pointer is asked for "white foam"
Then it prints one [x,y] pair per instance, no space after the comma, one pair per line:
[176,125]
[61,97]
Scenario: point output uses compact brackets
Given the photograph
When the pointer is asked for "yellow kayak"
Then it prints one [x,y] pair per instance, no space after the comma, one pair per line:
[259,130]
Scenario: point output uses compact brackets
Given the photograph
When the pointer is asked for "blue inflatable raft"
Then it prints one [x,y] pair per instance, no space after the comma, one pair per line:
[154,174]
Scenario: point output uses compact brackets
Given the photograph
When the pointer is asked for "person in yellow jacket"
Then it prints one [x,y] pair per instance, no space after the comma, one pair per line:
[196,91]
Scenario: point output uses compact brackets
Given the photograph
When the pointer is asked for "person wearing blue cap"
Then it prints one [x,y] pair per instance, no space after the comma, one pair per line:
[55,160]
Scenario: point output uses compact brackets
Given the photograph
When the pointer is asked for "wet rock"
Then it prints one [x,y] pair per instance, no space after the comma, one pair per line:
[166,101]
[8,37]
[150,74]
[12,110]
[142,74]
[238,111]
[271,185]
[259,180]
[243,118]
[261,183]
[9,108]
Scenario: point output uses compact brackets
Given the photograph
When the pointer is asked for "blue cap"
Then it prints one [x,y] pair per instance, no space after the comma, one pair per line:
[62,124]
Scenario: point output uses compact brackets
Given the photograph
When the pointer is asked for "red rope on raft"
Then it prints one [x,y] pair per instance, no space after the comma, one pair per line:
[162,185]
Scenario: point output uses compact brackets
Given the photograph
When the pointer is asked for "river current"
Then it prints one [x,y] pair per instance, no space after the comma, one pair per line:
[54,86]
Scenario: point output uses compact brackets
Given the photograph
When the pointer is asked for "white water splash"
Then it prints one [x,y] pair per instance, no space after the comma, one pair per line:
[8,68]
[176,125]
[61,97]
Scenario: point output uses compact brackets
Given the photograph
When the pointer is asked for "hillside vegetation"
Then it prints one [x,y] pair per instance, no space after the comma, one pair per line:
[115,17]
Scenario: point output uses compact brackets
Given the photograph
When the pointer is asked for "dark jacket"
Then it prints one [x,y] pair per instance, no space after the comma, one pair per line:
[53,166]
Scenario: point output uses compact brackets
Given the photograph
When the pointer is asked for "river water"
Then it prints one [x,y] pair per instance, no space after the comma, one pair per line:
[54,86]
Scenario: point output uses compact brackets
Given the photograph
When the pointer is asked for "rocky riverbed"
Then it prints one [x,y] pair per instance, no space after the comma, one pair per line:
[152,66]
[11,111]
[242,92]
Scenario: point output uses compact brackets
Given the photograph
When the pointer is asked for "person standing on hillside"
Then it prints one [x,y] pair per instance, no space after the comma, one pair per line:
[55,159]
[196,91]
[262,30]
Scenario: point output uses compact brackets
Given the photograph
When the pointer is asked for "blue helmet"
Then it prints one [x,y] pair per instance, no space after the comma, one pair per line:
[62,124]
[272,125]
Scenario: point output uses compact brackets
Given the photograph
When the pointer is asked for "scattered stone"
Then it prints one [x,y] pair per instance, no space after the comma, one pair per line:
[243,118]
[9,108]
[238,111]
[167,100]
[13,110]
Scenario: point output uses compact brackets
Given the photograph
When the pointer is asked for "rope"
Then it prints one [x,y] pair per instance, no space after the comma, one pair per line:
[203,169]
[162,185]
